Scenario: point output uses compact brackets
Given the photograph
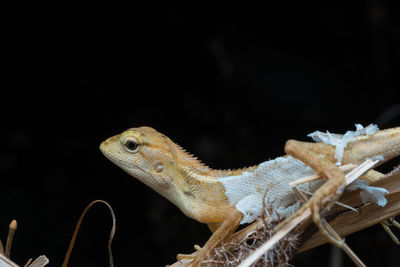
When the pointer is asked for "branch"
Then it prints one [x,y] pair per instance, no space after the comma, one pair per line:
[368,215]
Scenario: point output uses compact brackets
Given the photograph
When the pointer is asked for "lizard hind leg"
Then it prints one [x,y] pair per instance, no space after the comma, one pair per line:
[213,226]
[328,193]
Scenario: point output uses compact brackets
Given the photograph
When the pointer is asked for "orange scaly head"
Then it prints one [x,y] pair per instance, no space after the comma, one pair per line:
[155,160]
[145,154]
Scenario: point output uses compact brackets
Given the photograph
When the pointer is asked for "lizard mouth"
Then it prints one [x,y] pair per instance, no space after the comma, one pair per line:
[115,158]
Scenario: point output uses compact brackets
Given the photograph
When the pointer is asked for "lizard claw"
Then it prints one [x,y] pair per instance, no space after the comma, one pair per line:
[316,217]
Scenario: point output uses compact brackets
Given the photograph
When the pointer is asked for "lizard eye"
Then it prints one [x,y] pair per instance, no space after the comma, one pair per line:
[131,145]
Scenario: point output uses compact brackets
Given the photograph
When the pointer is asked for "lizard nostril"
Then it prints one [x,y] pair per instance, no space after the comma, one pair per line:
[103,145]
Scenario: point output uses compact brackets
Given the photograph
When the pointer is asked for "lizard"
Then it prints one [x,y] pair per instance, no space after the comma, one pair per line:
[216,198]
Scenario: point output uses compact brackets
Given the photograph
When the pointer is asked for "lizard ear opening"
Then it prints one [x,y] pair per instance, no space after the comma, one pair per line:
[159,167]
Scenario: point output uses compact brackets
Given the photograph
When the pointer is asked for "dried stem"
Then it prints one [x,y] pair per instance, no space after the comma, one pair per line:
[346,223]
[28,262]
[78,225]
[11,231]
[275,238]
[1,248]
[39,262]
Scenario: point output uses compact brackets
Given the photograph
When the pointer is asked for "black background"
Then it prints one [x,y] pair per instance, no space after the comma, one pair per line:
[230,83]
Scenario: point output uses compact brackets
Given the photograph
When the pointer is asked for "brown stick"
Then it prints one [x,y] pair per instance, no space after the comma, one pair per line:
[11,231]
[1,248]
[345,247]
[367,215]
[78,225]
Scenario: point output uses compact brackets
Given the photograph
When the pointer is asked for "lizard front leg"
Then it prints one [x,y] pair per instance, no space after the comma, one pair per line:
[226,229]
[327,194]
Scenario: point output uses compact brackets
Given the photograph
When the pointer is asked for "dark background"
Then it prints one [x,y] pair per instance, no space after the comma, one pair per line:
[230,83]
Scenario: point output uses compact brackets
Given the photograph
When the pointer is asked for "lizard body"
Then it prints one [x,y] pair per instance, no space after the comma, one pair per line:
[211,196]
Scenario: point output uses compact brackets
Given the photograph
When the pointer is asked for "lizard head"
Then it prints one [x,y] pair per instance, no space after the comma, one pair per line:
[167,168]
[145,154]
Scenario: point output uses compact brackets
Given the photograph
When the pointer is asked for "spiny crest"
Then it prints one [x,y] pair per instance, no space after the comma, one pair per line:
[183,156]
[189,160]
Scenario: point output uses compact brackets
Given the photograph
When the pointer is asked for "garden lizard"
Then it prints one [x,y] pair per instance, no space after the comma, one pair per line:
[225,198]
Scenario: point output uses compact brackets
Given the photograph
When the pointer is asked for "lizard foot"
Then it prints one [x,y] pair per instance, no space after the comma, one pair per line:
[316,217]
[327,194]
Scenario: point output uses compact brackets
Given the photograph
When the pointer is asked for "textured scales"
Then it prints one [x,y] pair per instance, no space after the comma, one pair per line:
[205,194]
[184,180]
[200,192]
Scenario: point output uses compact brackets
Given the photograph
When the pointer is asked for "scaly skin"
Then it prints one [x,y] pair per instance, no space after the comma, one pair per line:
[184,180]
[161,164]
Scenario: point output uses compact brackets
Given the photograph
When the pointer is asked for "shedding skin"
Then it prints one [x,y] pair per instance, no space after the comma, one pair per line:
[158,162]
[326,195]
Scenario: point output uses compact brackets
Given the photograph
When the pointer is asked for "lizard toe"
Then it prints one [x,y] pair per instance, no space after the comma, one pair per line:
[320,224]
[186,256]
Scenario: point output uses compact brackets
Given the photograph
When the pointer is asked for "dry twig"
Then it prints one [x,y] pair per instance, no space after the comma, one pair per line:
[11,231]
[78,225]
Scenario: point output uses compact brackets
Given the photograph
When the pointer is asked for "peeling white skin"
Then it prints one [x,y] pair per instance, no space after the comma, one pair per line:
[341,141]
[271,180]
[369,193]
